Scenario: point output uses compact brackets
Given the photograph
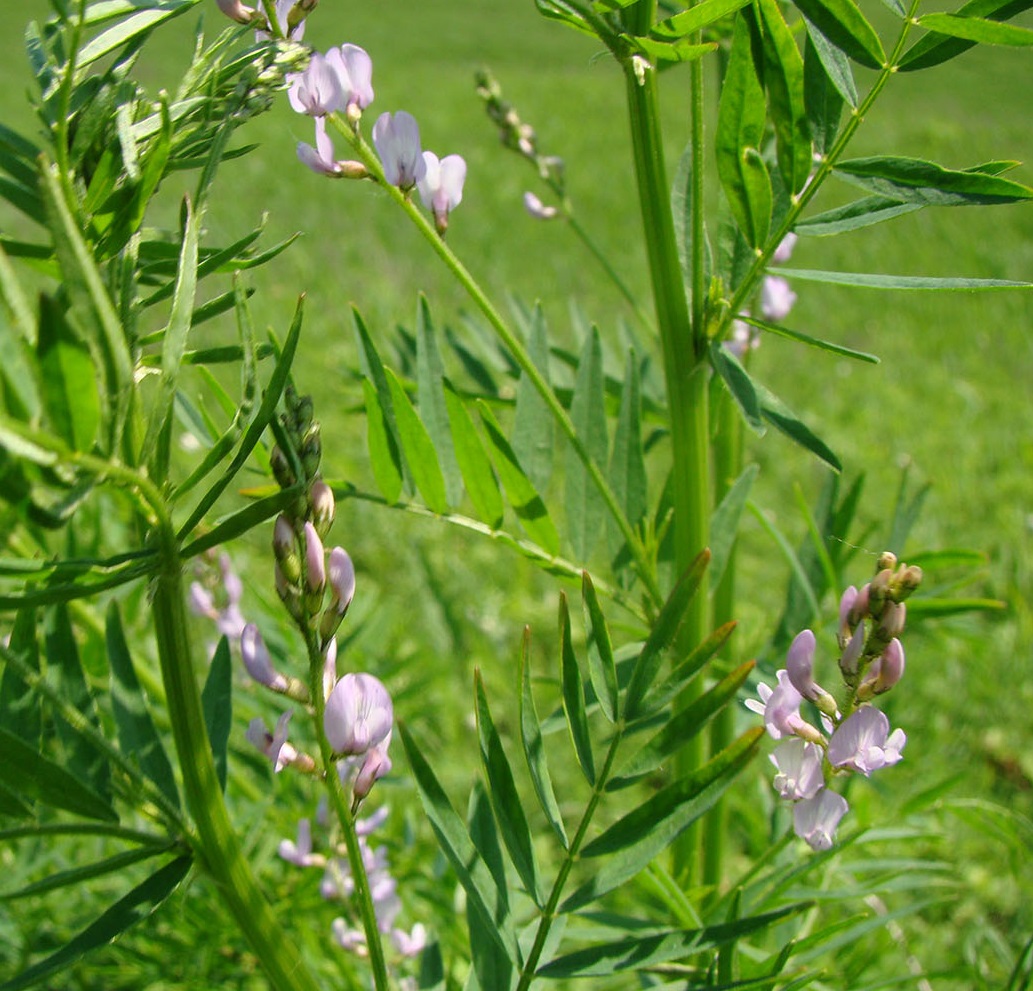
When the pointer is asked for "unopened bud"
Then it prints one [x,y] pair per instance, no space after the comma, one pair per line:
[349,169]
[289,596]
[907,580]
[281,468]
[891,667]
[237,11]
[315,561]
[887,561]
[892,622]
[311,450]
[878,590]
[257,660]
[321,497]
[285,548]
[852,654]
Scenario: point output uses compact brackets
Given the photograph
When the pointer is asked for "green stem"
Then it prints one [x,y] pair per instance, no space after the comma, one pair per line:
[339,800]
[683,342]
[221,854]
[516,348]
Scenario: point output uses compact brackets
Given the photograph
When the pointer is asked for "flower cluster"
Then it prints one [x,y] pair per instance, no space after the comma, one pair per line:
[216,594]
[338,884]
[855,736]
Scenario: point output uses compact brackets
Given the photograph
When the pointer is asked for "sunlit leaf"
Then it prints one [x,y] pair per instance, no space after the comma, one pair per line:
[533,425]
[474,464]
[842,22]
[418,448]
[574,697]
[602,670]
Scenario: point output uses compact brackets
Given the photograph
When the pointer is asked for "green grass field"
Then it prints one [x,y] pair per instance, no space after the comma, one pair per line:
[952,400]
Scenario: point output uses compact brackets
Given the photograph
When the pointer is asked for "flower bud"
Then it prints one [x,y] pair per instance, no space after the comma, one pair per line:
[878,591]
[311,450]
[315,561]
[852,653]
[907,580]
[257,660]
[375,766]
[237,11]
[289,595]
[321,497]
[800,664]
[892,622]
[846,607]
[285,548]
[887,561]
[891,667]
[281,468]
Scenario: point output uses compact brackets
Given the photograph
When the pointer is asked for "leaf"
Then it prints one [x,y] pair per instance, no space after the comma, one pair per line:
[864,212]
[533,435]
[137,905]
[664,631]
[526,502]
[640,953]
[17,335]
[977,29]
[904,282]
[418,448]
[385,458]
[602,670]
[131,29]
[586,510]
[480,886]
[724,524]
[682,727]
[217,705]
[935,49]
[690,666]
[627,472]
[635,839]
[741,122]
[137,737]
[433,409]
[842,22]
[784,80]
[742,388]
[913,180]
[823,97]
[505,799]
[574,697]
[696,18]
[29,774]
[481,484]
[19,704]
[814,342]
[534,750]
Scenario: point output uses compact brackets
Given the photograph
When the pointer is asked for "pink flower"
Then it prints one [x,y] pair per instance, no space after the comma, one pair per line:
[354,70]
[274,745]
[776,298]
[780,708]
[300,854]
[800,664]
[341,575]
[320,159]
[784,249]
[410,944]
[441,187]
[359,715]
[317,91]
[537,209]
[397,140]
[815,819]
[257,660]
[800,772]
[315,560]
[863,742]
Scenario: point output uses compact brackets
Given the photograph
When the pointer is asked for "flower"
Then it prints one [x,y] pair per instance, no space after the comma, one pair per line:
[354,70]
[341,575]
[863,742]
[257,660]
[785,249]
[300,854]
[815,819]
[800,664]
[743,339]
[317,91]
[237,11]
[441,187]
[315,560]
[537,209]
[800,773]
[283,12]
[320,159]
[410,944]
[274,745]
[779,707]
[374,767]
[222,606]
[397,140]
[358,715]
[776,298]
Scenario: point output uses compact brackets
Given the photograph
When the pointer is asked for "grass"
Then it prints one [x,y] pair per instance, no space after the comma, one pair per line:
[951,398]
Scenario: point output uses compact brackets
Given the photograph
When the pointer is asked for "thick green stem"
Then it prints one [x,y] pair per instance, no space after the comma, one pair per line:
[683,343]
[223,859]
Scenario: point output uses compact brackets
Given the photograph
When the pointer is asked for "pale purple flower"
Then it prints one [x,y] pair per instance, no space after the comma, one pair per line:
[274,745]
[776,298]
[222,606]
[846,612]
[375,765]
[300,854]
[321,497]
[283,10]
[780,708]
[353,940]
[815,819]
[863,742]
[891,623]
[397,140]
[800,665]
[784,249]
[329,667]
[537,209]
[743,339]
[317,91]
[257,660]
[315,559]
[441,187]
[237,11]
[410,944]
[359,715]
[800,771]
[320,159]
[852,652]
[354,70]
[341,575]
[891,666]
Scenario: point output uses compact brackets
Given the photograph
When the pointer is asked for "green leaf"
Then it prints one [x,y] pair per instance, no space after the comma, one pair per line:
[137,737]
[691,665]
[864,212]
[627,472]
[741,122]
[131,29]
[929,606]
[977,29]
[814,342]
[682,727]
[724,524]
[80,756]
[574,697]
[586,510]
[79,875]
[602,671]
[533,435]
[505,799]
[784,80]
[935,48]
[29,774]
[12,807]
[418,448]
[481,889]
[217,705]
[19,704]
[665,629]
[822,95]
[534,749]
[137,905]
[842,22]
[904,282]
[17,335]
[385,458]
[526,502]
[912,180]
[481,484]
[433,408]
[742,388]
[696,18]
[635,839]
[668,51]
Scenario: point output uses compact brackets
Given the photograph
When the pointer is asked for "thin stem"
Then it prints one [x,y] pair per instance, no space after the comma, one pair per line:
[342,809]
[517,350]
